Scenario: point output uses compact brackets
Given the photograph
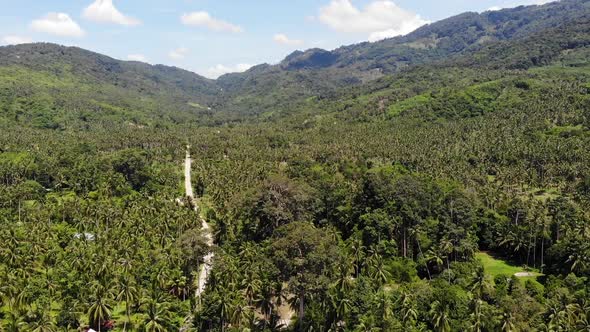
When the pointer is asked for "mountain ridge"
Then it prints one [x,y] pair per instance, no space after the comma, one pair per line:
[148,94]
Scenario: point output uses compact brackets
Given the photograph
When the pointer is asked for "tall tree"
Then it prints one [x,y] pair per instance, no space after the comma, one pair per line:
[304,255]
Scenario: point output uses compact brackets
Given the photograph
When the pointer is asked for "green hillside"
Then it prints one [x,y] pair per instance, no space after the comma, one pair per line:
[374,187]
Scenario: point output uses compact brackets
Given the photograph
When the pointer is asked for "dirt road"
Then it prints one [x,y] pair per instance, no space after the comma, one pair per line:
[206,266]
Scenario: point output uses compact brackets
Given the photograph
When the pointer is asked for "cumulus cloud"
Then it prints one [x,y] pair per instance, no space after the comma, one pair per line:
[203,19]
[511,4]
[179,53]
[59,24]
[104,11]
[283,39]
[380,19]
[15,40]
[137,57]
[215,72]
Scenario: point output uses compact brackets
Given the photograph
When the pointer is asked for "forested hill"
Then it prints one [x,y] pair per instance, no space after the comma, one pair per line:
[321,73]
[99,69]
[455,35]
[434,182]
[52,86]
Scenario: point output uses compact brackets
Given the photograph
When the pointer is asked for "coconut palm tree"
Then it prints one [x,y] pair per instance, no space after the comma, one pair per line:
[127,293]
[157,317]
[357,251]
[477,316]
[224,303]
[379,271]
[480,283]
[439,315]
[437,256]
[507,322]
[384,307]
[580,261]
[239,312]
[100,308]
[408,311]
[563,313]
[14,321]
[44,324]
[264,301]
[251,286]
[338,305]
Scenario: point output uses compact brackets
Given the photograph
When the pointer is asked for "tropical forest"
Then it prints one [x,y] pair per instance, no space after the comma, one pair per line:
[432,181]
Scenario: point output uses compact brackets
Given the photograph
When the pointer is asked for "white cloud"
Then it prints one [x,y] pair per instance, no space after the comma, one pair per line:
[179,53]
[403,29]
[215,72]
[283,39]
[59,24]
[104,11]
[512,4]
[137,57]
[380,19]
[203,19]
[15,40]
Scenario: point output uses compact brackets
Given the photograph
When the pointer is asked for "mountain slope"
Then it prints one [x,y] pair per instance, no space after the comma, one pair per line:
[47,85]
[473,85]
[95,67]
[50,86]
[320,73]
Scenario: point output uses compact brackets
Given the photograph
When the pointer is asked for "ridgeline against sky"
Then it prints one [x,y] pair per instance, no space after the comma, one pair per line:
[217,37]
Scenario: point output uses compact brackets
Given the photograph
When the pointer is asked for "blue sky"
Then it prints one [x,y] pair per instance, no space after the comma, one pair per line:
[211,37]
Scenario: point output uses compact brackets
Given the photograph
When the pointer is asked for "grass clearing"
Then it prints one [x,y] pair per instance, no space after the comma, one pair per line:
[197,105]
[495,266]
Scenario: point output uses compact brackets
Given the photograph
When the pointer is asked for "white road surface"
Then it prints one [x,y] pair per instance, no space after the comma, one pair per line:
[206,266]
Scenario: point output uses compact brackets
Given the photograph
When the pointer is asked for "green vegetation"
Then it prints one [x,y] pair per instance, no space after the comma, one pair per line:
[352,190]
[498,267]
[409,104]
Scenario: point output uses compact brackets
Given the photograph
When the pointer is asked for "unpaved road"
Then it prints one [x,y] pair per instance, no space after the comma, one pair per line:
[187,175]
[285,312]
[206,266]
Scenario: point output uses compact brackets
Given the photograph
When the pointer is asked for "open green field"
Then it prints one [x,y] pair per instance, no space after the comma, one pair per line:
[495,266]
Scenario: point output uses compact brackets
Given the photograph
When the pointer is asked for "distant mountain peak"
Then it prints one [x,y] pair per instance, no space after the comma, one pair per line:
[311,59]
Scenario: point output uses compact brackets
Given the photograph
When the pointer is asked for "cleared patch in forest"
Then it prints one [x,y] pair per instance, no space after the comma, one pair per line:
[495,266]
